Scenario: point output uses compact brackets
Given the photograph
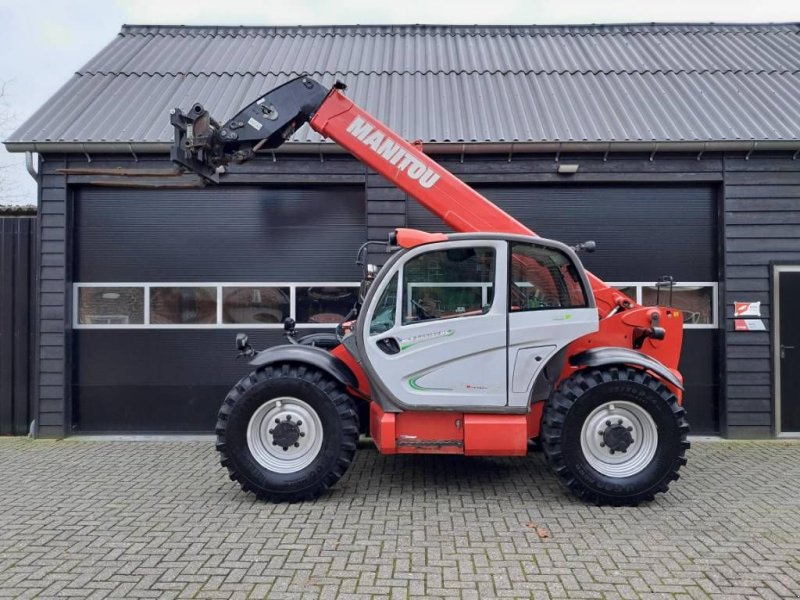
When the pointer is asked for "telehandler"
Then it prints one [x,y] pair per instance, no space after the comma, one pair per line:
[472,343]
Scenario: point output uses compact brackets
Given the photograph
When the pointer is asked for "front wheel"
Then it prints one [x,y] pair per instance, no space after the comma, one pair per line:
[287,433]
[615,435]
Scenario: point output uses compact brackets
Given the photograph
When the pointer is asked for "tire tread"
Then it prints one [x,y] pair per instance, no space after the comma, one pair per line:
[563,399]
[345,409]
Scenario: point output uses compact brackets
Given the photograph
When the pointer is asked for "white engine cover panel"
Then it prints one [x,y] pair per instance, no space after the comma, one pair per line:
[537,329]
[469,380]
[527,364]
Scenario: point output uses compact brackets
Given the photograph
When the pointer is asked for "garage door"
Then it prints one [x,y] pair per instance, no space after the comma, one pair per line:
[642,232]
[165,278]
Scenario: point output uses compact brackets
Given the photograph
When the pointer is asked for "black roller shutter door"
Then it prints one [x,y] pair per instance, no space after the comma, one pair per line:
[173,380]
[642,232]
[219,234]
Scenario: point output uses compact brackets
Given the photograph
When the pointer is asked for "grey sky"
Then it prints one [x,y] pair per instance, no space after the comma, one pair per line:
[45,41]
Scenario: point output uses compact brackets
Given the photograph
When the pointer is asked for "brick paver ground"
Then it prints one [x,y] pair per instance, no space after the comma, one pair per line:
[92,519]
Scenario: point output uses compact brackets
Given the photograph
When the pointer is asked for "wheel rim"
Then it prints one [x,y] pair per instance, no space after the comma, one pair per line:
[284,435]
[619,439]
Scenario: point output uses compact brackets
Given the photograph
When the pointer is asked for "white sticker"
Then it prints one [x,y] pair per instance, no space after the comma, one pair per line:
[747,309]
[749,325]
[254,124]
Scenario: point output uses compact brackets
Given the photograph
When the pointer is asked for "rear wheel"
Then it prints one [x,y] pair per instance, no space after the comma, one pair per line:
[287,433]
[615,435]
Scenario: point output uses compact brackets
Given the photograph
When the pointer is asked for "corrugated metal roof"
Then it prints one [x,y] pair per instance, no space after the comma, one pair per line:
[617,83]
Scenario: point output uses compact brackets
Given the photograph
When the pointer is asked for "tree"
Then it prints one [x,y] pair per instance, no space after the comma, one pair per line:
[10,189]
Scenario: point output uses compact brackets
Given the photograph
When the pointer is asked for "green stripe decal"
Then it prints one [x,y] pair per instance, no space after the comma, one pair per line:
[426,338]
[412,381]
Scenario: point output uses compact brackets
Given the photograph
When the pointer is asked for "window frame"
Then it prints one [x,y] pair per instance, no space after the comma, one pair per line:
[149,308]
[640,285]
[76,308]
[218,285]
[221,298]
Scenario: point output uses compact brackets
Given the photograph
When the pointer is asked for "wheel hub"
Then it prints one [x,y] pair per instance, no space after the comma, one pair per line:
[617,436]
[286,433]
[619,439]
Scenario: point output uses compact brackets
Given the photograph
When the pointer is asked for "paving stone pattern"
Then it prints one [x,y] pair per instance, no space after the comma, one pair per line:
[95,519]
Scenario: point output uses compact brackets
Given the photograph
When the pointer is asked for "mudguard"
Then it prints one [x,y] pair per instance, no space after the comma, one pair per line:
[310,355]
[598,357]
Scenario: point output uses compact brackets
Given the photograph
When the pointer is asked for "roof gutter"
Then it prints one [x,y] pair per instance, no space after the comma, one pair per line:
[89,148]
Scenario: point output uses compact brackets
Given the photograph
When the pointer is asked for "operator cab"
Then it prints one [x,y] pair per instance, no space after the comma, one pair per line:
[467,321]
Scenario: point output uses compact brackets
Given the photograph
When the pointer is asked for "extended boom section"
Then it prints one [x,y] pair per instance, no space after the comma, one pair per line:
[206,147]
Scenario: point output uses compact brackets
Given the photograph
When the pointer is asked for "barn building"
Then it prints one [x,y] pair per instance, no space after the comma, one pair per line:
[674,147]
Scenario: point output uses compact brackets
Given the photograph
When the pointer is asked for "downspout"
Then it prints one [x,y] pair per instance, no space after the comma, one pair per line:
[29,165]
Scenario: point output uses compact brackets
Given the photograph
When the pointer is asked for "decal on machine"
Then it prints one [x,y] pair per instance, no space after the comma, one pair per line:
[392,152]
[412,382]
[564,317]
[408,342]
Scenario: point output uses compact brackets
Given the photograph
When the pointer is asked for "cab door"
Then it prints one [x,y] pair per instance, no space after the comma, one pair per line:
[436,335]
[550,305]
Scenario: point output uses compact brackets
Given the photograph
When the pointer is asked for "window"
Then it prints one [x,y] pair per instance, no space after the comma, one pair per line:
[448,283]
[183,305]
[385,309]
[211,305]
[629,290]
[543,278]
[324,305]
[695,302]
[255,304]
[111,305]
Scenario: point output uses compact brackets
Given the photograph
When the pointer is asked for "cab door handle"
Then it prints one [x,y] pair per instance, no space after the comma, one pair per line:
[389,345]
[784,349]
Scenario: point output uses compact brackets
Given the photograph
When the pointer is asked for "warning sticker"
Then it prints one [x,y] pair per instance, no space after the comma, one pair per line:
[749,325]
[254,124]
[747,309]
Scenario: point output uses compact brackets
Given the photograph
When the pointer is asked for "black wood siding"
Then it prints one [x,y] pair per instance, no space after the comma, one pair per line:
[762,226]
[17,323]
[54,327]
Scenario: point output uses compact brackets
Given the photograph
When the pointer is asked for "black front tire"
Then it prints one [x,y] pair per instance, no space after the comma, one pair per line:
[317,391]
[574,402]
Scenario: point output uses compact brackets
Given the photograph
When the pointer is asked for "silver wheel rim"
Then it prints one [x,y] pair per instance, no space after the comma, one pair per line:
[299,418]
[620,415]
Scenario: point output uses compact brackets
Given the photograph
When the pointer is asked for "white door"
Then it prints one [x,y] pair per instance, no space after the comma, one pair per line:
[549,307]
[436,336]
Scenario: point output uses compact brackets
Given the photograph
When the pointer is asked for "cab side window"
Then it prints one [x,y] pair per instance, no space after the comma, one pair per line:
[444,284]
[385,309]
[543,278]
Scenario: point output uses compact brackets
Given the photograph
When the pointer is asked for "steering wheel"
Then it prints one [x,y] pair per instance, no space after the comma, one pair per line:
[422,312]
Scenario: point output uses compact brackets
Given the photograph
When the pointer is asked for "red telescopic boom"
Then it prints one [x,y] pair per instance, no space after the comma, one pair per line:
[430,184]
[206,147]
